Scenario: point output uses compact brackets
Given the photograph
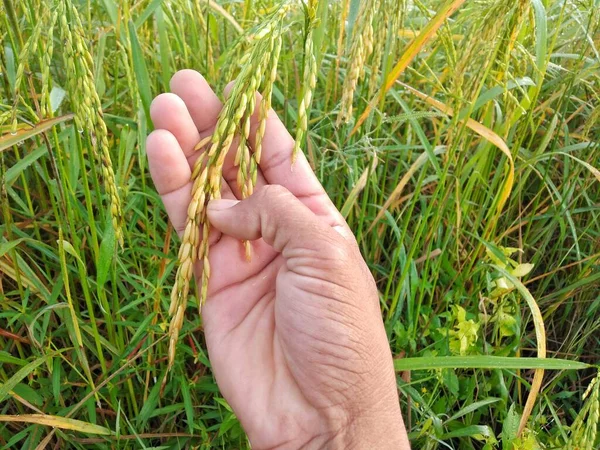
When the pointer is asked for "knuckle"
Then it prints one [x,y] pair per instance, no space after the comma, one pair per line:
[272,193]
[337,252]
[156,139]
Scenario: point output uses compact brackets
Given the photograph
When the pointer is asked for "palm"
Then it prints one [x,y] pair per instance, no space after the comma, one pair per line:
[249,329]
[243,335]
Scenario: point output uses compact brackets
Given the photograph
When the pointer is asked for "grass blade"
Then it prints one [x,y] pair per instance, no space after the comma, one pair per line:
[485,133]
[22,373]
[485,362]
[540,333]
[8,140]
[58,422]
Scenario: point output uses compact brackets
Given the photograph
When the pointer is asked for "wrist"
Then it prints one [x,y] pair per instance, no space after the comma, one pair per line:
[380,428]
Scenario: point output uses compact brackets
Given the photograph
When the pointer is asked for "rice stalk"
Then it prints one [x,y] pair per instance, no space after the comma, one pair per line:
[233,120]
[27,50]
[380,42]
[310,78]
[584,430]
[89,116]
[47,52]
[200,15]
[360,50]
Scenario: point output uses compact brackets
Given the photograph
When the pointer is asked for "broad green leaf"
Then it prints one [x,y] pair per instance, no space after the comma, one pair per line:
[149,404]
[71,251]
[10,66]
[473,407]
[478,432]
[510,428]
[112,10]
[541,35]
[164,47]
[141,331]
[521,270]
[494,92]
[56,378]
[28,393]
[351,20]
[13,173]
[153,6]
[187,402]
[7,358]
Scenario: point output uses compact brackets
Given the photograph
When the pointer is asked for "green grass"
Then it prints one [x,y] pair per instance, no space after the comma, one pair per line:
[83,321]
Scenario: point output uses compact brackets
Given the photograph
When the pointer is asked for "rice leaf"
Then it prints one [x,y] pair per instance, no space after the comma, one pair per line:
[57,422]
[7,140]
[485,362]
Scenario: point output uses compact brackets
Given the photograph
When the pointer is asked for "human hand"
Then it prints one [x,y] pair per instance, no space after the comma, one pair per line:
[295,336]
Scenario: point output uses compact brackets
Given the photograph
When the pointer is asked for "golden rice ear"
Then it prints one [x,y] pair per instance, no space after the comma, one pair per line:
[360,50]
[233,119]
[309,83]
[89,117]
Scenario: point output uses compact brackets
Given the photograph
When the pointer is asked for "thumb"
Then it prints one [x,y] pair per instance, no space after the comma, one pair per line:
[277,216]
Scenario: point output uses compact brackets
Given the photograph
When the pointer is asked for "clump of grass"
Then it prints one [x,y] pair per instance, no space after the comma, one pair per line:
[81,326]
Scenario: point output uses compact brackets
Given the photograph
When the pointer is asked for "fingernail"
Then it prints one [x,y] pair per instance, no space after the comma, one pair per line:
[221,204]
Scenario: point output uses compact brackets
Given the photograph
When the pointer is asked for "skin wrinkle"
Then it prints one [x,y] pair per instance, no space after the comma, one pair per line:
[330,414]
[264,300]
[314,274]
[318,341]
[335,318]
[330,255]
[335,307]
[320,290]
[346,352]
[239,283]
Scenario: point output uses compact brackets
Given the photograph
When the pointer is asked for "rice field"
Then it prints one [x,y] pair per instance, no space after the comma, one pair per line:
[460,139]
